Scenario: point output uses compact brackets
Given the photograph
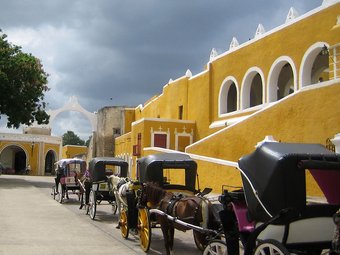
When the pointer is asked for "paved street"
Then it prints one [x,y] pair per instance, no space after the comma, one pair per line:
[31,222]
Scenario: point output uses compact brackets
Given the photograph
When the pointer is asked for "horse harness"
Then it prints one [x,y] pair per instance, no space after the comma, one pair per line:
[171,207]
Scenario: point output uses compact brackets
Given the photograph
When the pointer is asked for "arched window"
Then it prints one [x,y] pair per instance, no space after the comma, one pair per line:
[252,88]
[232,98]
[256,91]
[228,96]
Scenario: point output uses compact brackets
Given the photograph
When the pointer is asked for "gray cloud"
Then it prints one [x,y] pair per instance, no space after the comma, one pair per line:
[128,50]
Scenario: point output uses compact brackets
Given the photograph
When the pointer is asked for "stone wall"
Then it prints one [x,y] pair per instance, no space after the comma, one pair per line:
[110,124]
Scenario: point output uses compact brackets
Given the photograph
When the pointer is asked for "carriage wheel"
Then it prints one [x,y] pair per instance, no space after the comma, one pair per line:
[270,247]
[123,224]
[200,240]
[92,204]
[216,247]
[144,229]
[60,195]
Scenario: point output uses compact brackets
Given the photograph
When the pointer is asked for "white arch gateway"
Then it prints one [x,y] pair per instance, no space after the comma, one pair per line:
[73,105]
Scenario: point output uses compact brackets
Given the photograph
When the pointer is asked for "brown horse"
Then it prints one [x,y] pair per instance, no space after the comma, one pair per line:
[190,209]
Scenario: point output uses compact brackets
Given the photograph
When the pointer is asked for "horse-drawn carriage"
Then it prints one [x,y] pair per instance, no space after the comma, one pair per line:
[271,214]
[99,190]
[68,175]
[168,189]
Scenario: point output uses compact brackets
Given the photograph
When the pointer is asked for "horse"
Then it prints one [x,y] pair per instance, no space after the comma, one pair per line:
[124,190]
[195,210]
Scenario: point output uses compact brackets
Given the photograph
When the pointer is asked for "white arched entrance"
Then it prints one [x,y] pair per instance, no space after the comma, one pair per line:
[73,105]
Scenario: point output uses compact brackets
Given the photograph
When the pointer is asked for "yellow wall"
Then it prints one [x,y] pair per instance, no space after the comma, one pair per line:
[69,151]
[309,116]
[33,152]
[306,116]
[129,117]
[123,145]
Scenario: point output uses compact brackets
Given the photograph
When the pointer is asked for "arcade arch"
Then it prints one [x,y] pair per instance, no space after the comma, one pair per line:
[281,79]
[50,159]
[252,91]
[315,65]
[14,158]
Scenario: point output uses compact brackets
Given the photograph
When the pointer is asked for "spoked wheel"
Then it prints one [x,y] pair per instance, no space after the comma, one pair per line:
[60,195]
[271,247]
[123,224]
[92,204]
[144,229]
[200,240]
[216,247]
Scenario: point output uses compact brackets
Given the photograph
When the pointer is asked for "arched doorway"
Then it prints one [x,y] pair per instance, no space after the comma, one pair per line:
[14,159]
[50,159]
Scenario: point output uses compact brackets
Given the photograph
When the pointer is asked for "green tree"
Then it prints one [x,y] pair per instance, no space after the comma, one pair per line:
[70,138]
[22,86]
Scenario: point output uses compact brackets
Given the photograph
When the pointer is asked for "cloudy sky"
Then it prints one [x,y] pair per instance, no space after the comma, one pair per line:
[122,52]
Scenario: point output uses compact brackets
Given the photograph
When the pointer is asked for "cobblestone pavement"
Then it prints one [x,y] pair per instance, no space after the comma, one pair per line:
[31,222]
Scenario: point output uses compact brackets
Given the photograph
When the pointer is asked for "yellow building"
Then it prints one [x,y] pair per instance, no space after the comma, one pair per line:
[35,149]
[284,83]
[74,151]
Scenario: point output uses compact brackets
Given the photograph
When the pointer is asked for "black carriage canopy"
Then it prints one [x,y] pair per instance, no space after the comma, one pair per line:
[150,168]
[70,165]
[276,172]
[101,167]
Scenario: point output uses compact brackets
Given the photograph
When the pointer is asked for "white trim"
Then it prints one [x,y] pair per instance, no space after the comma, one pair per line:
[274,30]
[30,138]
[228,122]
[254,191]
[223,94]
[73,105]
[246,86]
[329,2]
[307,63]
[196,156]
[167,133]
[201,73]
[162,120]
[273,76]
[183,134]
